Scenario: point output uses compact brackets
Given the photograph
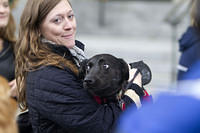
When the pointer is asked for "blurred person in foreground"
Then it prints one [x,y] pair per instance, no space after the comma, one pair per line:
[8,109]
[189,44]
[176,112]
[169,113]
[7,42]
[47,62]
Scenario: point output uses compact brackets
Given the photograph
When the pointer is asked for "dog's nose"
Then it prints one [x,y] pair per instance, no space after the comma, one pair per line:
[89,81]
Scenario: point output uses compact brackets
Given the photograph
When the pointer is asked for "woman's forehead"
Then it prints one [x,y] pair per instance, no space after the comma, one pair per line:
[3,0]
[62,7]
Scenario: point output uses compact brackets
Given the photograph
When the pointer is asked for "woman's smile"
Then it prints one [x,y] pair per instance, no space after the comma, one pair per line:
[70,36]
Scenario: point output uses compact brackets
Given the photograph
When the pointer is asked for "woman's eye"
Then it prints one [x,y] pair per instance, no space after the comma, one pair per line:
[70,16]
[106,66]
[57,20]
[6,5]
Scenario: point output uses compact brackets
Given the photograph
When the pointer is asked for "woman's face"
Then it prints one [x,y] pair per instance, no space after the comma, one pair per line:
[4,13]
[59,25]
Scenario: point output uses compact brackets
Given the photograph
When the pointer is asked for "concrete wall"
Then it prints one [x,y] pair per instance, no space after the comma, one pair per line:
[128,18]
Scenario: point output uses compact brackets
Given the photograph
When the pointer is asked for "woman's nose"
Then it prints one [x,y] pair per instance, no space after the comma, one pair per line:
[1,9]
[68,24]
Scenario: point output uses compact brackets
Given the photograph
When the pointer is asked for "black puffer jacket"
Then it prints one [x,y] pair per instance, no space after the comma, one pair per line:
[58,103]
[7,68]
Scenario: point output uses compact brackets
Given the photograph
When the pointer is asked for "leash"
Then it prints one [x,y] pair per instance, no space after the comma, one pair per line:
[121,102]
[130,82]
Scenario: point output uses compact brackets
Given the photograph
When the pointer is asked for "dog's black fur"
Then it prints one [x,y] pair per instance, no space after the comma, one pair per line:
[104,75]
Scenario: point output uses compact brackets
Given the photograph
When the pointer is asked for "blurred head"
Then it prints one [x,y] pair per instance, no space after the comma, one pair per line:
[8,109]
[170,113]
[50,19]
[7,24]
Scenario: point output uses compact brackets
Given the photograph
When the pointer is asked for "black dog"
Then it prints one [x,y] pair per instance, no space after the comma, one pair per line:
[105,75]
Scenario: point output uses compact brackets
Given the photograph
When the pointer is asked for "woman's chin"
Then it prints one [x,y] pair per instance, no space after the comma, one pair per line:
[3,24]
[69,43]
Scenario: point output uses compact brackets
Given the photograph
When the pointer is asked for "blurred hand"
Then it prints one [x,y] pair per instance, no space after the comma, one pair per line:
[138,78]
[13,88]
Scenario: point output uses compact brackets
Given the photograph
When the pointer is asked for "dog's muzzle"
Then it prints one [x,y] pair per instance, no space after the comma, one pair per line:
[87,83]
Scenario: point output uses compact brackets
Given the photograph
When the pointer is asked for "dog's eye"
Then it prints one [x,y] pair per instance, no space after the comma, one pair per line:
[87,67]
[106,66]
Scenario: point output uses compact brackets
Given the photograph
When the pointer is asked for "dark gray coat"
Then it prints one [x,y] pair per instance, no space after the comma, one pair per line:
[7,66]
[58,103]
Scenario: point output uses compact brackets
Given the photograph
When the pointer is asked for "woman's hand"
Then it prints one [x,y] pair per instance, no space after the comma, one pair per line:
[13,88]
[138,78]
[131,92]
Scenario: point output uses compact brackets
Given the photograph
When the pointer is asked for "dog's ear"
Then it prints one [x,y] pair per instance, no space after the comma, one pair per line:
[124,69]
[82,69]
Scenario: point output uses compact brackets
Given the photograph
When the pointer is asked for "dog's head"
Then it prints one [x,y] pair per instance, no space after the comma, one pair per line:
[104,75]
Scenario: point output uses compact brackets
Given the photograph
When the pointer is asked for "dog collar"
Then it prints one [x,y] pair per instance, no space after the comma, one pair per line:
[121,104]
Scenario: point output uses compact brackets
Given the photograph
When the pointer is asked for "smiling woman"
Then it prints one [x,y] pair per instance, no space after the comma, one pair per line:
[7,40]
[47,63]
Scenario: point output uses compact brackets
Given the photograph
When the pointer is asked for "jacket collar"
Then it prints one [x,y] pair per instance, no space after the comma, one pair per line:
[60,49]
[75,54]
[189,38]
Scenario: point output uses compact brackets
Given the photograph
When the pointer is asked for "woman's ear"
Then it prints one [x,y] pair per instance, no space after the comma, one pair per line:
[82,69]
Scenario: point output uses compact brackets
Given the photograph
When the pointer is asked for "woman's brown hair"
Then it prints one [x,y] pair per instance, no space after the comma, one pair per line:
[195,14]
[31,54]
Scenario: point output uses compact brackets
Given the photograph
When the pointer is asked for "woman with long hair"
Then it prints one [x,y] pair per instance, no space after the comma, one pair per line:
[7,42]
[47,62]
